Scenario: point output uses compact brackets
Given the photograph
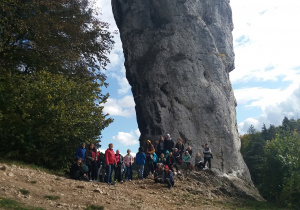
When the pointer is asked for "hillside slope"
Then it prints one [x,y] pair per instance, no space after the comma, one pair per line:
[200,190]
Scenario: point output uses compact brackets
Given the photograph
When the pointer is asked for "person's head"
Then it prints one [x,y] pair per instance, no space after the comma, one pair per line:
[79,161]
[128,151]
[117,152]
[189,148]
[166,168]
[198,154]
[148,142]
[186,153]
[179,140]
[162,155]
[168,136]
[83,145]
[111,146]
[159,165]
[206,145]
[156,142]
[92,146]
[175,150]
[141,149]
[162,138]
[170,154]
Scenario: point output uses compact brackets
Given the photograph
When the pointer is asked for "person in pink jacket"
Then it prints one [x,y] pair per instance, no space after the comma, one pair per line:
[110,160]
[128,161]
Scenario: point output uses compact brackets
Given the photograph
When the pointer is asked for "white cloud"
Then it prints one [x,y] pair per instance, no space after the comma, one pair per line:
[124,107]
[127,138]
[273,111]
[267,48]
[122,81]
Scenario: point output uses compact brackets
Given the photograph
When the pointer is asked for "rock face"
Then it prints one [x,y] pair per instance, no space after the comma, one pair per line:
[178,55]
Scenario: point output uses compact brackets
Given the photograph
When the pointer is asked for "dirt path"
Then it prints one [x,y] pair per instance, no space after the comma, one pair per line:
[71,194]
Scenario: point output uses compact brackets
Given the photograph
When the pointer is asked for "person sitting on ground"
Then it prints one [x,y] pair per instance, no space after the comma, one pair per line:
[167,153]
[189,149]
[140,161]
[80,153]
[128,161]
[168,177]
[177,156]
[180,146]
[207,156]
[119,167]
[159,173]
[161,159]
[186,159]
[170,161]
[198,162]
[77,172]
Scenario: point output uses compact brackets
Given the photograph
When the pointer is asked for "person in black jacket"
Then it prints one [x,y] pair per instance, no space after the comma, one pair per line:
[169,144]
[180,146]
[76,171]
[170,161]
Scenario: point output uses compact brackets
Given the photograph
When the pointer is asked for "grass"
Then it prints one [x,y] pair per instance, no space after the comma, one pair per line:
[24,192]
[28,165]
[6,203]
[93,207]
[52,197]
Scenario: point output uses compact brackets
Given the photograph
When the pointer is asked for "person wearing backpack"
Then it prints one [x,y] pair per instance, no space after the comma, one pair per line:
[207,156]
[140,161]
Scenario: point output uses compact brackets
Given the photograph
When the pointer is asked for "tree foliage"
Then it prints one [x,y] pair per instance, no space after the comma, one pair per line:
[46,116]
[52,57]
[273,158]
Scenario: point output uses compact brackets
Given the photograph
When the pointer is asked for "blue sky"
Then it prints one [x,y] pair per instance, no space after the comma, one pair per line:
[265,80]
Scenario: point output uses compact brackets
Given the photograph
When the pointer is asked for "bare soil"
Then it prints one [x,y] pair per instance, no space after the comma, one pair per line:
[199,190]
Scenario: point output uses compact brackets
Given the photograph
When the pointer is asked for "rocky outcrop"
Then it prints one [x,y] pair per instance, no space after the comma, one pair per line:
[178,55]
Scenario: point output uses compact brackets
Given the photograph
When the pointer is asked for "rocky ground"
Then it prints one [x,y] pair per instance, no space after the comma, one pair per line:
[199,190]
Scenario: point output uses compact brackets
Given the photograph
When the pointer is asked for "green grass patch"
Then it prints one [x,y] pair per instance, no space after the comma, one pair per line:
[52,197]
[6,203]
[93,207]
[24,192]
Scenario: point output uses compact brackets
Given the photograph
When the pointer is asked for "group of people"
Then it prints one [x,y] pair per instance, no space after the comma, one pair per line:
[160,159]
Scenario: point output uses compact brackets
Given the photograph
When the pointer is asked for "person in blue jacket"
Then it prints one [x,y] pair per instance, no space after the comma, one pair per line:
[140,160]
[80,153]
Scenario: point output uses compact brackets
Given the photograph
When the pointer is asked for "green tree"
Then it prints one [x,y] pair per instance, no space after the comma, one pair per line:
[57,36]
[46,116]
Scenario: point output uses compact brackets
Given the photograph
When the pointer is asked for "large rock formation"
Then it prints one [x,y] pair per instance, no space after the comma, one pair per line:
[178,55]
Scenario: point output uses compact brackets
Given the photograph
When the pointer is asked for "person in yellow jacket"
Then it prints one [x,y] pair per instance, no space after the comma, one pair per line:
[149,158]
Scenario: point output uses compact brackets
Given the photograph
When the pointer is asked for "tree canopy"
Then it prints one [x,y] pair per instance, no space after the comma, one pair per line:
[52,57]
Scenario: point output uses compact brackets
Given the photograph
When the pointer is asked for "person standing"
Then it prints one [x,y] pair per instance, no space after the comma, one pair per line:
[91,162]
[180,146]
[128,161]
[149,158]
[119,167]
[207,156]
[80,153]
[140,161]
[161,146]
[169,144]
[110,160]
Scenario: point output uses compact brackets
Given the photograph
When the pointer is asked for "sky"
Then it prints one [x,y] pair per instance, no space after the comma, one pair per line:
[266,79]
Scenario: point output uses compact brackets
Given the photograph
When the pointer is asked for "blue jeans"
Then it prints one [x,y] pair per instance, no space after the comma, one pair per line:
[141,171]
[128,174]
[110,169]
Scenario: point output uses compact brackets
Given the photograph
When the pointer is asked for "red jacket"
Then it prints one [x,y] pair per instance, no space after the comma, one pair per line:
[110,157]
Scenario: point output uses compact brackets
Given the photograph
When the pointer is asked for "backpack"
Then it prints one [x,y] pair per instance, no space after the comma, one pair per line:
[155,158]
